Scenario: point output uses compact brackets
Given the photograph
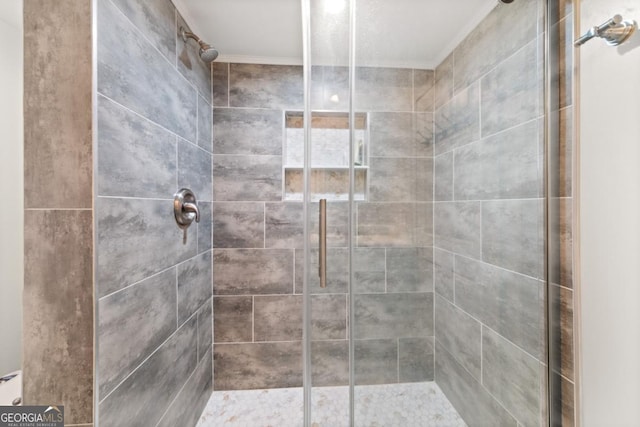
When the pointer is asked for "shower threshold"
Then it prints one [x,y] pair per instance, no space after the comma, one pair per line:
[389,405]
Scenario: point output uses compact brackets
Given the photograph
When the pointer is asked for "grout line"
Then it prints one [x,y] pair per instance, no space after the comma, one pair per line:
[253,318]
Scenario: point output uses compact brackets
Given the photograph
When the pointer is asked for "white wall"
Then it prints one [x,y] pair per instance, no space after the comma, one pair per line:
[11,186]
[610,221]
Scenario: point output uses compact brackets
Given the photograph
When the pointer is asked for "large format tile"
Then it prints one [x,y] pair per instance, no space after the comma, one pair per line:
[144,396]
[58,155]
[513,235]
[401,134]
[337,224]
[194,170]
[505,30]
[58,311]
[424,179]
[189,63]
[512,377]
[369,270]
[423,236]
[443,276]
[376,361]
[328,317]
[265,86]
[393,315]
[457,227]
[140,78]
[457,122]
[238,225]
[205,125]
[415,360]
[233,319]
[155,19]
[385,224]
[220,83]
[329,363]
[471,400]
[337,271]
[443,177]
[252,271]
[278,318]
[136,158]
[135,239]
[132,324]
[205,330]
[250,178]
[194,285]
[187,408]
[460,335]
[383,89]
[510,92]
[444,82]
[205,226]
[247,131]
[423,90]
[409,270]
[392,179]
[257,365]
[507,302]
[284,225]
[503,166]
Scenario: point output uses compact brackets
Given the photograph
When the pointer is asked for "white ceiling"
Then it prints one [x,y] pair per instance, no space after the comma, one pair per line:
[395,33]
[11,12]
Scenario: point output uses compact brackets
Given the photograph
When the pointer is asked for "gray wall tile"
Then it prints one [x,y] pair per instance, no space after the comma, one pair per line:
[513,235]
[189,63]
[257,365]
[443,267]
[369,270]
[194,170]
[247,131]
[376,361]
[220,83]
[515,150]
[444,82]
[265,86]
[252,271]
[458,385]
[205,127]
[187,408]
[132,324]
[507,302]
[424,224]
[337,271]
[194,285]
[424,179]
[510,92]
[385,224]
[423,90]
[238,225]
[140,78]
[392,179]
[58,310]
[505,30]
[562,330]
[205,331]
[337,226]
[144,396]
[383,89]
[140,237]
[443,177]
[335,81]
[415,360]
[233,319]
[156,20]
[284,225]
[250,178]
[512,377]
[57,104]
[330,363]
[136,158]
[205,226]
[393,315]
[328,317]
[460,335]
[410,270]
[398,134]
[457,122]
[457,227]
[278,318]
[561,242]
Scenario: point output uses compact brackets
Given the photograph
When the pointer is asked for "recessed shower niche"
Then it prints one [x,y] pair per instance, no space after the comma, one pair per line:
[330,156]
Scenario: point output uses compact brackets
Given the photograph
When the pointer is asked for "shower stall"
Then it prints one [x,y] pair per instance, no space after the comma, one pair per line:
[380,232]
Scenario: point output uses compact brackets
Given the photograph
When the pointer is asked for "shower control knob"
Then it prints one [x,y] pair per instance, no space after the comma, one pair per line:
[185,208]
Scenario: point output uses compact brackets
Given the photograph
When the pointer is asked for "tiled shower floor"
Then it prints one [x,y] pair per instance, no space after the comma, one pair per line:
[389,405]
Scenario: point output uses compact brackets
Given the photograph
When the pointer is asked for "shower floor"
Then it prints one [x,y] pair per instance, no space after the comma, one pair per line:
[389,405]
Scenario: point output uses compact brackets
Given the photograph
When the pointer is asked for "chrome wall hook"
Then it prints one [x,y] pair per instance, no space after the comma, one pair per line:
[185,208]
[615,32]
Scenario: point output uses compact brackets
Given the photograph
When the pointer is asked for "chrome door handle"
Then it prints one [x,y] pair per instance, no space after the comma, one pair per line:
[322,262]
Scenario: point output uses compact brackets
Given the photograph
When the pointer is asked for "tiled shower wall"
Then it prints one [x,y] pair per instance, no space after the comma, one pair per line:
[154,361]
[258,237]
[489,220]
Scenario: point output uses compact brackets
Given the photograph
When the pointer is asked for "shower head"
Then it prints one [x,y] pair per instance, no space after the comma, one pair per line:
[506,1]
[207,52]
